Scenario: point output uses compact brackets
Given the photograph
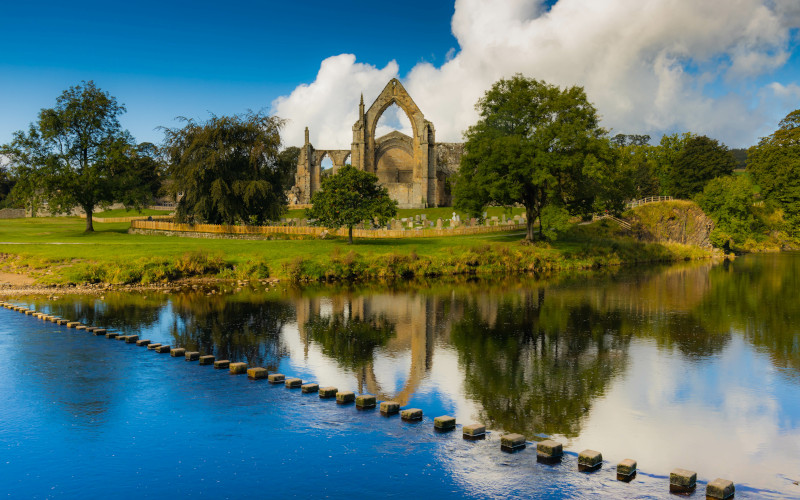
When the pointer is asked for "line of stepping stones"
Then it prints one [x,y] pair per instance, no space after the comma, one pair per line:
[547,451]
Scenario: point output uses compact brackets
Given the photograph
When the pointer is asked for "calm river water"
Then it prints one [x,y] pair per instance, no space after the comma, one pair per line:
[694,366]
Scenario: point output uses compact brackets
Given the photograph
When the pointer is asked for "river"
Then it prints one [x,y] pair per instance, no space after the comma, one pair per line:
[694,365]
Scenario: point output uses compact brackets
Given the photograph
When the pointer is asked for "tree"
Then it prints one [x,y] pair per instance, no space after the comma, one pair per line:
[227,169]
[350,197]
[636,166]
[6,185]
[664,156]
[534,144]
[775,166]
[287,161]
[76,155]
[701,160]
[728,201]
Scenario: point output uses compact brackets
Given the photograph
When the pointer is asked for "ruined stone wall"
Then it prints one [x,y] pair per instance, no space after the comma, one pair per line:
[415,169]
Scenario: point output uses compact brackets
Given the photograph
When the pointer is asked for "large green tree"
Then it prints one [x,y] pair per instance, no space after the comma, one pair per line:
[227,168]
[78,155]
[350,197]
[728,200]
[700,160]
[535,144]
[775,166]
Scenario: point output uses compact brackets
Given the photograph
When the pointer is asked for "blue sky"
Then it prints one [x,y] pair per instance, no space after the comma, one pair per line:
[168,59]
[729,71]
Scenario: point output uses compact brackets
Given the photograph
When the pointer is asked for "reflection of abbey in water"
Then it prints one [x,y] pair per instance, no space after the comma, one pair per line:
[414,169]
[353,328]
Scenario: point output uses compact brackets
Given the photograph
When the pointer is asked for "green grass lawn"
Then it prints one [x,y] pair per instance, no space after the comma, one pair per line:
[121,212]
[57,250]
[42,242]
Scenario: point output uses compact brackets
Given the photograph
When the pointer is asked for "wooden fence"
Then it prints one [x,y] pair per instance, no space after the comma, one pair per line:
[127,219]
[316,231]
[645,201]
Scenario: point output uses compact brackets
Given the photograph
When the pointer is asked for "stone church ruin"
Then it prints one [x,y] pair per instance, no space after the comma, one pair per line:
[416,170]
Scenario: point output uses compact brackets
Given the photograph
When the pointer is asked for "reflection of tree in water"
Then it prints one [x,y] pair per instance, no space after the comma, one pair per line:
[759,296]
[239,328]
[538,366]
[121,311]
[350,340]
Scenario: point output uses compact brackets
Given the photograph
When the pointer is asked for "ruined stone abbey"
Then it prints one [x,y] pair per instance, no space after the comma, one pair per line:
[416,170]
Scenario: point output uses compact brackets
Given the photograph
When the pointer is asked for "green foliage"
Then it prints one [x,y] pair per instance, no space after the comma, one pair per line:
[77,155]
[350,197]
[6,185]
[534,144]
[775,166]
[700,160]
[636,174]
[287,164]
[664,156]
[228,169]
[729,202]
[555,221]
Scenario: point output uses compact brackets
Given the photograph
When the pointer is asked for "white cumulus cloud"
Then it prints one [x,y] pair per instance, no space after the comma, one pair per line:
[650,66]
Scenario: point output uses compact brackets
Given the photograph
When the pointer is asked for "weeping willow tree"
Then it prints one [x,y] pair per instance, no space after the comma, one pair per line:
[227,169]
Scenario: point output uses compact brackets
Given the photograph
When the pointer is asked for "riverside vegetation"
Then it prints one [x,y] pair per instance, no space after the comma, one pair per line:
[57,251]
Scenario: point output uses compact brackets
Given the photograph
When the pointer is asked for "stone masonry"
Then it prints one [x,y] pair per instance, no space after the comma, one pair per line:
[416,170]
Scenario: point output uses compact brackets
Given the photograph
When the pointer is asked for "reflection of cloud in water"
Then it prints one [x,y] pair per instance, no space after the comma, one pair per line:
[671,413]
[326,370]
[391,369]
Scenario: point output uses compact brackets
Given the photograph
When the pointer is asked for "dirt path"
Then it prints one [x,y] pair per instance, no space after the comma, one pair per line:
[15,279]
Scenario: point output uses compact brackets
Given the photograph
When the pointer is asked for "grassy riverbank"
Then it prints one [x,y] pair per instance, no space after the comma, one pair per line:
[57,251]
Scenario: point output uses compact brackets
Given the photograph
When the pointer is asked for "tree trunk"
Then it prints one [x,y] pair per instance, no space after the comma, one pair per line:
[349,235]
[530,220]
[89,226]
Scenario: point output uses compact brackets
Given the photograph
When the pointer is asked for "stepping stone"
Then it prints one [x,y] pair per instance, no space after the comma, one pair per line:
[411,414]
[143,343]
[365,401]
[221,364]
[390,407]
[309,388]
[328,392]
[293,383]
[98,331]
[626,470]
[238,368]
[163,349]
[208,359]
[177,352]
[474,431]
[276,378]
[257,373]
[113,335]
[682,481]
[720,489]
[345,397]
[131,339]
[192,356]
[549,451]
[153,347]
[444,423]
[512,442]
[589,460]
